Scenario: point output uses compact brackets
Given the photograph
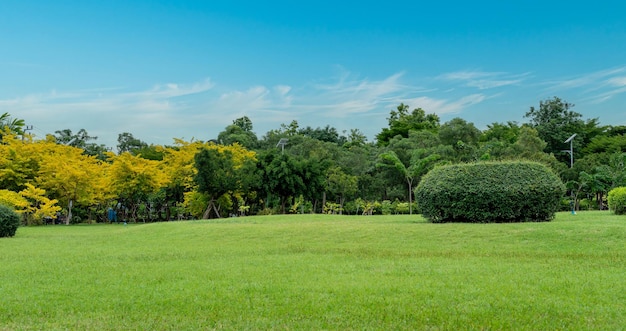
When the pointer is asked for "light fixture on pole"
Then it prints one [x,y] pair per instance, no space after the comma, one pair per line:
[282,142]
[570,140]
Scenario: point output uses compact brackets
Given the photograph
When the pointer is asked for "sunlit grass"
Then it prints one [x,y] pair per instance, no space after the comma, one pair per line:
[317,272]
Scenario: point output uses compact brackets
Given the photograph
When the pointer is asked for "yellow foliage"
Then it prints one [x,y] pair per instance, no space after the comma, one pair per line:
[240,154]
[39,205]
[195,203]
[44,169]
[14,200]
[178,162]
[133,177]
[71,175]
[19,162]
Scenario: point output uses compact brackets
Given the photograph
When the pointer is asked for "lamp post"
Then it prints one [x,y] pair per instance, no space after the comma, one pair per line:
[282,142]
[570,140]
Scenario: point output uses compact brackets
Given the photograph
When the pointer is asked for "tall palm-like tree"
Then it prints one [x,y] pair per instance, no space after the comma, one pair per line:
[11,125]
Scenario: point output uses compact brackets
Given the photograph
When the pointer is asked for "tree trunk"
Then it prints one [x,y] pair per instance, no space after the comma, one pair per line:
[599,197]
[342,199]
[410,182]
[217,211]
[69,212]
[207,211]
[212,206]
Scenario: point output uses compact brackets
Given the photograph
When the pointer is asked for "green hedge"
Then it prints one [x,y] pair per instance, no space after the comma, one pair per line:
[617,200]
[9,221]
[486,192]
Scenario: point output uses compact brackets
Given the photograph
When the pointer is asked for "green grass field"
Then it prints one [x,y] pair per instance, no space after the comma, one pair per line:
[317,272]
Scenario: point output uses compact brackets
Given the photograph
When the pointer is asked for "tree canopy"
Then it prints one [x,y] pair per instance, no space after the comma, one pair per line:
[319,169]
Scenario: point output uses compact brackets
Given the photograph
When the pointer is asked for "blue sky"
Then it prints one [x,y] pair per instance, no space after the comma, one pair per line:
[186,69]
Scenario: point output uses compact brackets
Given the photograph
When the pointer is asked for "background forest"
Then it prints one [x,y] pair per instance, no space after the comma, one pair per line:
[69,177]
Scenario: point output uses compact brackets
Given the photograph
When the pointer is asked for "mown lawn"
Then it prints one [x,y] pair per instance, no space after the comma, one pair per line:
[317,272]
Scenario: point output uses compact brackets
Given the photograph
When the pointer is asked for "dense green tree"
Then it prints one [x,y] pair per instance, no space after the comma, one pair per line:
[149,152]
[611,140]
[272,137]
[420,164]
[235,134]
[327,134]
[79,139]
[239,132]
[457,129]
[82,140]
[355,138]
[313,173]
[244,123]
[341,185]
[604,144]
[462,136]
[556,122]
[504,132]
[401,122]
[127,143]
[216,176]
[281,175]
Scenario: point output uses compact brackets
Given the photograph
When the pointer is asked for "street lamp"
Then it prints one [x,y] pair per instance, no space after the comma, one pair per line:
[570,140]
[282,142]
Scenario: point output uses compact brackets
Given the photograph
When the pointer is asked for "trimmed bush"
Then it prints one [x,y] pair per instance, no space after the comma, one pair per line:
[487,192]
[617,200]
[9,221]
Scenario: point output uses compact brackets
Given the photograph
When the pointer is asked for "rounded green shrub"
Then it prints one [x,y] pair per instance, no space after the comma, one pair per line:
[617,200]
[487,192]
[9,221]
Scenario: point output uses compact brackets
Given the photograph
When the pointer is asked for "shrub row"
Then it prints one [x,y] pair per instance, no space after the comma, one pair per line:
[485,192]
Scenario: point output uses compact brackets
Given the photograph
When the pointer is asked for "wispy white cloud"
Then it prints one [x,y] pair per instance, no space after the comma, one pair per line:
[483,80]
[445,106]
[353,95]
[262,104]
[172,90]
[200,110]
[607,95]
[617,81]
[106,112]
[595,87]
[593,80]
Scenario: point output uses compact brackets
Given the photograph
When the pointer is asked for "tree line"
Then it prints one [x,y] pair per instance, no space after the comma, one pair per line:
[293,169]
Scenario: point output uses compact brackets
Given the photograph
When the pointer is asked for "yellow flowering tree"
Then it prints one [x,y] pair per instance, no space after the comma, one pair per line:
[13,200]
[133,179]
[39,206]
[19,162]
[71,176]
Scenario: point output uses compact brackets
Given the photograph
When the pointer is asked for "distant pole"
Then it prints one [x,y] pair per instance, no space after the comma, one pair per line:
[27,128]
[571,153]
[570,140]
[282,142]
